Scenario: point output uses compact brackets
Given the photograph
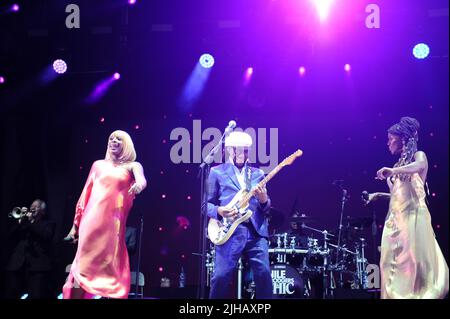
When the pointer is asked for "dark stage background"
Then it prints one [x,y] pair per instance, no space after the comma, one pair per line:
[50,135]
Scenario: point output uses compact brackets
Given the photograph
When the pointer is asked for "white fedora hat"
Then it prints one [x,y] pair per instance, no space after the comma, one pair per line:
[238,139]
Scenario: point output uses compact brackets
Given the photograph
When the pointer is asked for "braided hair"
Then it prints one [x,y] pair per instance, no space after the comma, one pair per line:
[407,129]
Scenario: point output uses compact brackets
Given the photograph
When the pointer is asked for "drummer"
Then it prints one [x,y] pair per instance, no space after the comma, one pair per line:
[297,231]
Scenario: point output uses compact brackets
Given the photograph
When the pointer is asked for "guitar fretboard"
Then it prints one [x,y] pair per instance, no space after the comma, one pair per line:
[263,182]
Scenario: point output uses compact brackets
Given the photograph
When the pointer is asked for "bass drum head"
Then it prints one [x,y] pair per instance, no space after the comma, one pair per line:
[287,282]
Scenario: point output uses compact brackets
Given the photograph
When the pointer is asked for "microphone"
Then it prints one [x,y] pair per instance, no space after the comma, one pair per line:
[365,195]
[209,159]
[231,126]
[345,195]
[365,198]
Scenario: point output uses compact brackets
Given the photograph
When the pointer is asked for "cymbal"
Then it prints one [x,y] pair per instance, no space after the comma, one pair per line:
[301,218]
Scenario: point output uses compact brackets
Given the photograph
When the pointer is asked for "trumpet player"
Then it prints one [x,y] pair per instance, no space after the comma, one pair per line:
[28,270]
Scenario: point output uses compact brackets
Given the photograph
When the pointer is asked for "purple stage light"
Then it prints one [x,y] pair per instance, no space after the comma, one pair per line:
[131,2]
[15,7]
[301,70]
[195,84]
[102,87]
[206,60]
[421,51]
[248,75]
[347,67]
[2,80]
[60,66]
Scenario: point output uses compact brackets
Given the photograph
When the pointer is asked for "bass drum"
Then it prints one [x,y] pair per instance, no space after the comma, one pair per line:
[288,283]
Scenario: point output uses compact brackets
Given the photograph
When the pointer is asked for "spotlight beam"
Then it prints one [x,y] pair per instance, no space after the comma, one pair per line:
[323,8]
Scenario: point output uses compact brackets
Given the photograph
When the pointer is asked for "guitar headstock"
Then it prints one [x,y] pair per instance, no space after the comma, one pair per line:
[290,159]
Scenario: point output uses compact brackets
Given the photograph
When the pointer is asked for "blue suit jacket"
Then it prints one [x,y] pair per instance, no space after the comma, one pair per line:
[223,186]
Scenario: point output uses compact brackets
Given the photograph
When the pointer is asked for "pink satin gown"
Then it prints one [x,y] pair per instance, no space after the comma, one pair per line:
[412,265]
[101,264]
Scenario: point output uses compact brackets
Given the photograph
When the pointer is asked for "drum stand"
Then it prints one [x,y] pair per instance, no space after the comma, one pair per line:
[361,263]
[339,247]
[328,278]
[210,257]
[328,283]
[250,290]
[239,281]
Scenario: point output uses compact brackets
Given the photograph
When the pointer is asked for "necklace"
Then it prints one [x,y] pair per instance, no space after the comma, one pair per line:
[117,163]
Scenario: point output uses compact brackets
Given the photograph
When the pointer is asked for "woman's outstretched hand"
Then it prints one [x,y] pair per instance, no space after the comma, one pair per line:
[384,173]
[135,189]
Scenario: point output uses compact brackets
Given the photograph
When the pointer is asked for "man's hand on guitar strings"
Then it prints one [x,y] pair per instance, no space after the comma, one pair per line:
[261,194]
[227,212]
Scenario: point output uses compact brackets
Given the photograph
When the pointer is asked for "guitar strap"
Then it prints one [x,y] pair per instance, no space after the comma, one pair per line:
[248,178]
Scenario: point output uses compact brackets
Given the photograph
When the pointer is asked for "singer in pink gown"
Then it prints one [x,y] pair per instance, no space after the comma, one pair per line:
[101,265]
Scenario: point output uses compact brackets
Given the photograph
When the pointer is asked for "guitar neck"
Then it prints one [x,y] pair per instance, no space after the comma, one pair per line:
[269,176]
[265,180]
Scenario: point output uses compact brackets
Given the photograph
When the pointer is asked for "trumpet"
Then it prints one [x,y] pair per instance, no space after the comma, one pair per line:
[18,212]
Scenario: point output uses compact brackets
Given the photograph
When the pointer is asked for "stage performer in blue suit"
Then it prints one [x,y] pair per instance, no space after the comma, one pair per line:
[250,239]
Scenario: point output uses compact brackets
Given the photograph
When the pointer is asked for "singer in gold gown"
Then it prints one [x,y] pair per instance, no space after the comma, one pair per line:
[412,265]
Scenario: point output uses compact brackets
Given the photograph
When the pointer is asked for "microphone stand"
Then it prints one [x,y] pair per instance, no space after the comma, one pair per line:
[374,235]
[141,230]
[365,198]
[203,174]
[343,201]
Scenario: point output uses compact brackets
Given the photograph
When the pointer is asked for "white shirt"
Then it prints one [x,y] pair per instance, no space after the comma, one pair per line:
[240,174]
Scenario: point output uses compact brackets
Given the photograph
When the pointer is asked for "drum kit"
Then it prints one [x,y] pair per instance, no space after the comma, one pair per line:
[312,262]
[309,263]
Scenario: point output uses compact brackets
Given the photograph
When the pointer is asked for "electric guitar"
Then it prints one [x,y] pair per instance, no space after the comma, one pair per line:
[219,231]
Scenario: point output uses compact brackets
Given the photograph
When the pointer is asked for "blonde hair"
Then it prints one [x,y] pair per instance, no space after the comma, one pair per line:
[128,153]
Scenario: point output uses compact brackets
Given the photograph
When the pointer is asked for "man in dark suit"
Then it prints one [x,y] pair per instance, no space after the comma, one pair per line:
[29,267]
[250,238]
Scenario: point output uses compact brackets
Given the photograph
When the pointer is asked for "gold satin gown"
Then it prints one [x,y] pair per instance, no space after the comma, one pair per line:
[412,265]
